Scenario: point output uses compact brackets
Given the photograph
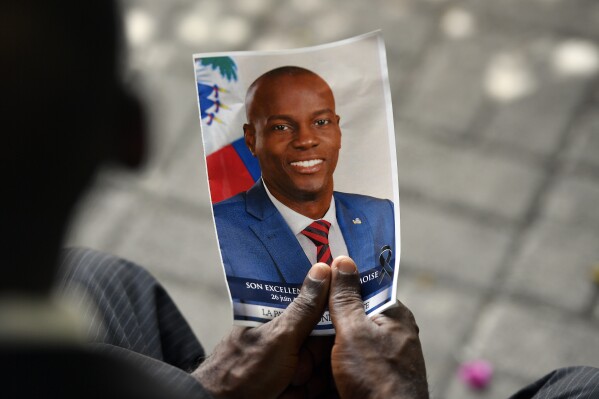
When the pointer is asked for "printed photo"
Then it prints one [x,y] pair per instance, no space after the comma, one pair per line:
[300,155]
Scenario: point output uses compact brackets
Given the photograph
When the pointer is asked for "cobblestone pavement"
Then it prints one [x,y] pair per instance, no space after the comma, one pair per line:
[497,127]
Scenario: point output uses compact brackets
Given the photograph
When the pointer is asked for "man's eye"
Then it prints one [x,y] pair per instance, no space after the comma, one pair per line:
[322,122]
[280,127]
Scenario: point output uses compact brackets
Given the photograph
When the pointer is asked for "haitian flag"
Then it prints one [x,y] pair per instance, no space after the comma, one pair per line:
[230,165]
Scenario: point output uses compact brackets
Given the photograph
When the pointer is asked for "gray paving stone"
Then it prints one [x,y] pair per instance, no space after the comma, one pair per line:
[171,103]
[310,23]
[585,145]
[555,265]
[208,311]
[437,242]
[442,314]
[157,9]
[537,121]
[406,27]
[447,91]
[596,312]
[251,9]
[469,175]
[185,178]
[574,199]
[581,16]
[502,386]
[99,215]
[216,26]
[531,340]
[175,242]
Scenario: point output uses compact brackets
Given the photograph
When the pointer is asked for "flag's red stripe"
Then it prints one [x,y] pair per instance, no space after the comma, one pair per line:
[227,174]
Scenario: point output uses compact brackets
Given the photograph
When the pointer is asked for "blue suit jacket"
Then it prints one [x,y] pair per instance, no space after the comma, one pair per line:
[256,242]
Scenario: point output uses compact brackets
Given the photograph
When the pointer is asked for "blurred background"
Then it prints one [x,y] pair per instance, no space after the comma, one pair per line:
[497,129]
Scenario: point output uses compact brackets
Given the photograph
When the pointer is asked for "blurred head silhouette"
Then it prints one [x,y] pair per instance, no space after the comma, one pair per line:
[65,110]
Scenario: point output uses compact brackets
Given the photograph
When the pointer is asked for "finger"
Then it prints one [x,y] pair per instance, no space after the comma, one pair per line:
[345,300]
[399,313]
[305,311]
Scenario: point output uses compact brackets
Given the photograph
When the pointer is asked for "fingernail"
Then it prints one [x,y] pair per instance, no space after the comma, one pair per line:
[318,272]
[346,266]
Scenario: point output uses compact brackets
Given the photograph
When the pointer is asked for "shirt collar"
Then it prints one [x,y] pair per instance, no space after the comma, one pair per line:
[296,221]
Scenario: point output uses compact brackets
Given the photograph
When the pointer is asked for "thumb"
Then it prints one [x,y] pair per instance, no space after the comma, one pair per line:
[345,301]
[307,308]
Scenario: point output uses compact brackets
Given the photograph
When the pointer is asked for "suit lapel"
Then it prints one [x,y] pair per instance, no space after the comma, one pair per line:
[357,234]
[280,242]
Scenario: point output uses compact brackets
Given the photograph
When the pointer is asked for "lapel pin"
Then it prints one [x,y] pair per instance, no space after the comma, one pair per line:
[357,221]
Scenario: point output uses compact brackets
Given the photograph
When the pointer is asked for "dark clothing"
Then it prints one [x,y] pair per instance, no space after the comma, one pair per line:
[144,328]
[569,382]
[141,324]
[74,371]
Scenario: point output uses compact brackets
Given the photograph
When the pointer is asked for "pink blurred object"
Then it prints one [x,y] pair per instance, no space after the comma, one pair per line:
[477,374]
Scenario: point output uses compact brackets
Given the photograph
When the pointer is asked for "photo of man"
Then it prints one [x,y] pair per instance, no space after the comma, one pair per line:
[292,217]
[299,149]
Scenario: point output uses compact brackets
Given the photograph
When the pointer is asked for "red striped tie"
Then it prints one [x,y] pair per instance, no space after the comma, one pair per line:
[318,233]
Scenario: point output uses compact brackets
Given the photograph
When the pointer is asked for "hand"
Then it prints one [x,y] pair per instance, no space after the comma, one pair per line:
[378,357]
[262,362]
[313,378]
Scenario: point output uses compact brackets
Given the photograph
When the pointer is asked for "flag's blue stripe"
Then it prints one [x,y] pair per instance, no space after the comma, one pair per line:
[250,161]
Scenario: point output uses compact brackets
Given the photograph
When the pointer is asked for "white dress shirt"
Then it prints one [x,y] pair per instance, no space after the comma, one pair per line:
[298,222]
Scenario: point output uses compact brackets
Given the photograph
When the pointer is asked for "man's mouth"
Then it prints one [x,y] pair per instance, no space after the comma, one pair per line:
[306,164]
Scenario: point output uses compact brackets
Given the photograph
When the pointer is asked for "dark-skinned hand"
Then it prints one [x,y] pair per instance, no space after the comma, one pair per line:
[373,357]
[276,358]
[313,377]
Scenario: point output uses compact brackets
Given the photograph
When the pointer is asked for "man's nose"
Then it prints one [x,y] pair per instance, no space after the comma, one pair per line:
[305,137]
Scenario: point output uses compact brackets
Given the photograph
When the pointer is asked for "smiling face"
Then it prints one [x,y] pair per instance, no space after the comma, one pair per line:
[294,132]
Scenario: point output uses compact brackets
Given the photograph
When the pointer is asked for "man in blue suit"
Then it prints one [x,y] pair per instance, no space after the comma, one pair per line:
[294,132]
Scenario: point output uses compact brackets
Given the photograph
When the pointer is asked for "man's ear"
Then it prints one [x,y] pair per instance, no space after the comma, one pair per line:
[131,141]
[249,134]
